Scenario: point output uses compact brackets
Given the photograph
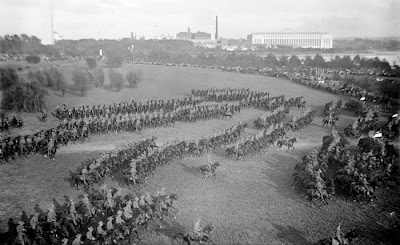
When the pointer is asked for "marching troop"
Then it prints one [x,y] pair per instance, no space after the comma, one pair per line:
[100,217]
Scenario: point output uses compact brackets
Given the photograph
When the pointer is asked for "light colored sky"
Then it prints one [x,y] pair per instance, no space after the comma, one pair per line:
[75,19]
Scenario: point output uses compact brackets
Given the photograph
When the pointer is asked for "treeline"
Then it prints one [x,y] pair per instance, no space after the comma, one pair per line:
[19,95]
[21,44]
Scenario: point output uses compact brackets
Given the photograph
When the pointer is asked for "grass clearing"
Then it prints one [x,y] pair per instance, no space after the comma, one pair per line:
[250,202]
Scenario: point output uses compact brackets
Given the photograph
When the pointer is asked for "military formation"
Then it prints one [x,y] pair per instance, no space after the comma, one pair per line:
[98,217]
[131,107]
[79,122]
[271,135]
[139,160]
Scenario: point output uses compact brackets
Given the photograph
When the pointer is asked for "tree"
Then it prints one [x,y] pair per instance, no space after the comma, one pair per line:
[283,61]
[40,77]
[294,61]
[356,60]
[134,78]
[271,60]
[116,79]
[58,79]
[346,62]
[319,61]
[99,77]
[91,62]
[309,62]
[8,78]
[79,77]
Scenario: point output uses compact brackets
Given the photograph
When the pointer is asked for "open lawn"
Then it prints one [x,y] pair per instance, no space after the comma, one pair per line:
[250,202]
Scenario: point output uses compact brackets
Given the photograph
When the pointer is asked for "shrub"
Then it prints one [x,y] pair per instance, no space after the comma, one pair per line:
[116,79]
[32,59]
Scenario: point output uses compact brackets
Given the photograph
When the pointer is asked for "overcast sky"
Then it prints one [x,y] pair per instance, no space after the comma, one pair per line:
[75,19]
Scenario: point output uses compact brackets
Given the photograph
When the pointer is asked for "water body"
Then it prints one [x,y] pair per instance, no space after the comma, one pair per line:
[393,57]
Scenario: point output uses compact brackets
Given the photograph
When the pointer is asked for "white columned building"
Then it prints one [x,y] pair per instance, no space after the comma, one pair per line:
[297,40]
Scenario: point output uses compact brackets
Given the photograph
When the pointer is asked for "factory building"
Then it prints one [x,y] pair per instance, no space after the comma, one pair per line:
[296,40]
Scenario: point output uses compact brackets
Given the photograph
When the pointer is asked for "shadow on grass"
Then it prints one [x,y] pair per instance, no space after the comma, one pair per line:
[191,170]
[290,235]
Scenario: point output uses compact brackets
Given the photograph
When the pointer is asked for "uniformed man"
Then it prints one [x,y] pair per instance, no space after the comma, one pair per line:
[135,203]
[84,172]
[197,230]
[72,210]
[142,202]
[118,218]
[89,234]
[110,225]
[64,241]
[20,231]
[99,230]
[51,216]
[128,210]
[34,220]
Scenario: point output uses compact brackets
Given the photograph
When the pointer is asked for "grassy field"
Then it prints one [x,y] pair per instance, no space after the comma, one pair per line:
[250,202]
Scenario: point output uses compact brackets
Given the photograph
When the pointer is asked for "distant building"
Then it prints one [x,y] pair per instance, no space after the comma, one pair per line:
[184,36]
[201,35]
[194,37]
[297,40]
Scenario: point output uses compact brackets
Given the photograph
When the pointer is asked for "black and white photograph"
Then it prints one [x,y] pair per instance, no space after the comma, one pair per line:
[185,122]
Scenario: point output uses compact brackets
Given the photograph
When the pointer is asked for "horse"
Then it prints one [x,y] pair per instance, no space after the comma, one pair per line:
[206,168]
[190,237]
[346,238]
[227,114]
[288,143]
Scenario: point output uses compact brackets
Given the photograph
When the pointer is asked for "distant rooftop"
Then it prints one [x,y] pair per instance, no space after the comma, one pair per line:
[288,33]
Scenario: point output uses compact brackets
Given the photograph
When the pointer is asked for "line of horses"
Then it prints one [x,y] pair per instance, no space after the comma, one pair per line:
[134,163]
[124,107]
[105,217]
[275,117]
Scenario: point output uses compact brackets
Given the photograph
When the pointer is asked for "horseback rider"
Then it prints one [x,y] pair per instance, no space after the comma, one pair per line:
[339,235]
[197,230]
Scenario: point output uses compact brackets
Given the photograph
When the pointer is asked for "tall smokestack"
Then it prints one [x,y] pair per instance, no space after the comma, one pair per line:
[216,28]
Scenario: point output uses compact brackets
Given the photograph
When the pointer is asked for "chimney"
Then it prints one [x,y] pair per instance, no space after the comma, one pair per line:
[131,35]
[216,28]
[189,30]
